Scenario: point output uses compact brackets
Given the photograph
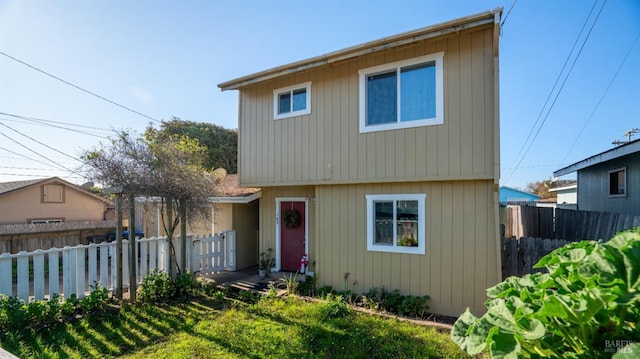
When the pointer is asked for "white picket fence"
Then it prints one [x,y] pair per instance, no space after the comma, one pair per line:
[76,270]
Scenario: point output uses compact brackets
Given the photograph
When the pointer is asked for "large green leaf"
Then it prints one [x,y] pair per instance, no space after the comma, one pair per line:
[466,335]
[504,346]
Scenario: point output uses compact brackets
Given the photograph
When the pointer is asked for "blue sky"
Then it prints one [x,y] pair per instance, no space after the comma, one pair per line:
[165,58]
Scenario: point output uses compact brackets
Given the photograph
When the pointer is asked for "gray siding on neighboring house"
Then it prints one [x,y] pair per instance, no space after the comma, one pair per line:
[593,187]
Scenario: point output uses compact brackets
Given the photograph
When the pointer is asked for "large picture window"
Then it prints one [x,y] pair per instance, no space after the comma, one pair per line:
[396,223]
[402,94]
[292,101]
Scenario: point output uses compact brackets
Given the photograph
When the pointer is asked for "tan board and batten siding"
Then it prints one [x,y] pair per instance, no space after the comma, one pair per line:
[323,157]
[326,146]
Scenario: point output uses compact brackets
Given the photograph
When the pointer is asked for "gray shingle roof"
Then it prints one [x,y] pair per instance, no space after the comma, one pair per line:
[6,187]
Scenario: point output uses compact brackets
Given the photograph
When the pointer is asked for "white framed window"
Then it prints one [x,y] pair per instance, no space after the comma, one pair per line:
[292,101]
[618,182]
[45,221]
[396,223]
[402,94]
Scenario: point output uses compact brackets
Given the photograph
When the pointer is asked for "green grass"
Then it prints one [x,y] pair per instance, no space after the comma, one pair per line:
[208,328]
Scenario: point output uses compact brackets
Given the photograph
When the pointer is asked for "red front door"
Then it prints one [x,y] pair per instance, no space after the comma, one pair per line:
[292,235]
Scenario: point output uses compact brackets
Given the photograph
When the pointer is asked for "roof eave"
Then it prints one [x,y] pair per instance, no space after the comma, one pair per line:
[626,149]
[487,17]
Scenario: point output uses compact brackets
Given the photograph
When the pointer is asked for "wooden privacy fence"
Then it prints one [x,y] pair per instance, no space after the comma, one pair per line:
[41,274]
[519,255]
[567,224]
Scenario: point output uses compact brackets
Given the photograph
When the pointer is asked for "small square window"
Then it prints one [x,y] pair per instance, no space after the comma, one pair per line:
[402,94]
[396,223]
[618,182]
[292,101]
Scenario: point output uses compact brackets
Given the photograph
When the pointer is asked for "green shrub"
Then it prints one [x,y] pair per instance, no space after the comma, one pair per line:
[585,305]
[97,301]
[414,306]
[156,286]
[334,307]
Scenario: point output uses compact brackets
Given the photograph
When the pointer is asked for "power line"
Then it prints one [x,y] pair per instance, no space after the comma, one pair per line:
[38,142]
[553,88]
[557,94]
[27,157]
[30,150]
[615,76]
[31,122]
[80,88]
[31,168]
[56,122]
[507,15]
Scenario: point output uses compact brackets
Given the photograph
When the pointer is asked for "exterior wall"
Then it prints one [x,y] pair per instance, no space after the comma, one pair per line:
[268,216]
[568,196]
[246,224]
[593,187]
[325,147]
[462,248]
[24,205]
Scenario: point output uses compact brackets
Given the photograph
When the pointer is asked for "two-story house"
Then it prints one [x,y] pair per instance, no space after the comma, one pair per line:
[381,162]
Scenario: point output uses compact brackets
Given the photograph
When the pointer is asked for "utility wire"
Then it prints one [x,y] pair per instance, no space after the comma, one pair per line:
[38,142]
[30,168]
[615,76]
[27,157]
[80,88]
[556,96]
[30,150]
[56,122]
[507,15]
[32,122]
[553,88]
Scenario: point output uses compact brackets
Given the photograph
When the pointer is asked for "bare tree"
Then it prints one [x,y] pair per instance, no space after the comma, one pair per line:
[167,168]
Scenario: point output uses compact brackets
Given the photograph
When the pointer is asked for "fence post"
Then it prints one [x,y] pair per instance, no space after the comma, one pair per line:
[6,280]
[54,272]
[93,265]
[104,265]
[143,243]
[38,274]
[125,264]
[80,272]
[23,276]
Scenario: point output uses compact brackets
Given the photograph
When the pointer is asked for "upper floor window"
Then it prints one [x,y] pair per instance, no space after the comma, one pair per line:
[402,94]
[292,101]
[618,182]
[396,223]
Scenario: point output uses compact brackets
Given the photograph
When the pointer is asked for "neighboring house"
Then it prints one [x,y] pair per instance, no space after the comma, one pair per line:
[510,195]
[566,196]
[609,181]
[49,200]
[232,207]
[381,162]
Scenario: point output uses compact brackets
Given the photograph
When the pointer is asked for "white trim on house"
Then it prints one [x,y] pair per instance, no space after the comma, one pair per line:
[421,230]
[279,200]
[437,59]
[290,90]
[239,199]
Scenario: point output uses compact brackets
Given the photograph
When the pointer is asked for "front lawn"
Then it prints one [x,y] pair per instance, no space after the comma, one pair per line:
[231,328]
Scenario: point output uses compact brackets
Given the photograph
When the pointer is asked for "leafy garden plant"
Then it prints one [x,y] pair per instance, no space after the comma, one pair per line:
[586,306]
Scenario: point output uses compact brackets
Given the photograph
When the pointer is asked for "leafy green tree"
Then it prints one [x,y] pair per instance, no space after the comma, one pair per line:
[221,143]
